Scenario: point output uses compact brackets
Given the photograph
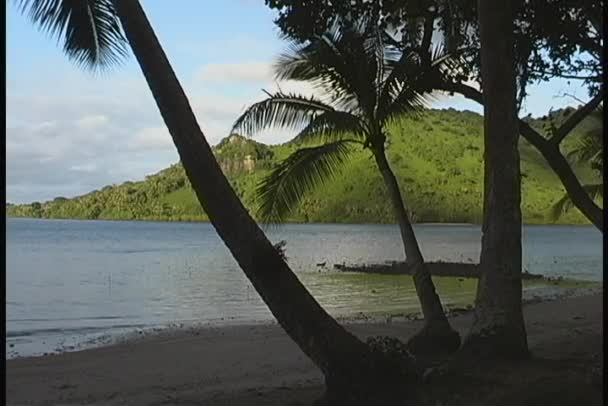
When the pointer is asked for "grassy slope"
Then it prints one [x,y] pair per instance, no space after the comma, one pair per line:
[437,159]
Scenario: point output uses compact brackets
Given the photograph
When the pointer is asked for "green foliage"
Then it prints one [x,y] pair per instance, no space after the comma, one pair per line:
[90,30]
[300,173]
[368,84]
[234,152]
[563,205]
[587,149]
[553,38]
[440,171]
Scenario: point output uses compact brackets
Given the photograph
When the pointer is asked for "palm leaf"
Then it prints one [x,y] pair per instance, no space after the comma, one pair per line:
[408,101]
[565,204]
[283,189]
[410,83]
[90,29]
[396,80]
[376,51]
[280,110]
[589,149]
[335,62]
[319,62]
[331,126]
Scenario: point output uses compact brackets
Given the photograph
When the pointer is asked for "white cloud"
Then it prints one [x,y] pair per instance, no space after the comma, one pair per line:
[216,107]
[249,72]
[87,167]
[152,138]
[45,125]
[50,153]
[92,122]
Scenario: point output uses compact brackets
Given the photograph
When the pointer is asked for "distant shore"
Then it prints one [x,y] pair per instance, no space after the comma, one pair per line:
[260,365]
[429,223]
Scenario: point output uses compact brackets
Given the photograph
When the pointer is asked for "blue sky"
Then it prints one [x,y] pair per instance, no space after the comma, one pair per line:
[70,131]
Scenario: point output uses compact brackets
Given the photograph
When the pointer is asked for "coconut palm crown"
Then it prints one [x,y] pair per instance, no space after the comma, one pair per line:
[365,82]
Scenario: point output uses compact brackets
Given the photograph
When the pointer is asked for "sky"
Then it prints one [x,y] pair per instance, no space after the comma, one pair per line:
[70,131]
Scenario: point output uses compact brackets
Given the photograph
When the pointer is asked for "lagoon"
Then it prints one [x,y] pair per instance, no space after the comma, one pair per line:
[74,284]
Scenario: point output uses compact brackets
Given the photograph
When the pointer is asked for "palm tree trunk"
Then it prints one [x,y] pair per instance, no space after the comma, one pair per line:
[347,363]
[498,327]
[437,335]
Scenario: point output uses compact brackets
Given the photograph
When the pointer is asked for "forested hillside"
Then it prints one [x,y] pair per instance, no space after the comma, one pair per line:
[437,159]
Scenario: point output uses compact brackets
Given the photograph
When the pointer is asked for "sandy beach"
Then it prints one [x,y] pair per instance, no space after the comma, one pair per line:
[260,365]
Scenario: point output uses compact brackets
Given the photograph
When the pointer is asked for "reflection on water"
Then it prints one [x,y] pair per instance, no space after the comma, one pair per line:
[71,279]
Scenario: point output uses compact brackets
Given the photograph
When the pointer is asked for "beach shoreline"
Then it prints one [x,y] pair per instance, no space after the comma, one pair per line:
[547,291]
[253,364]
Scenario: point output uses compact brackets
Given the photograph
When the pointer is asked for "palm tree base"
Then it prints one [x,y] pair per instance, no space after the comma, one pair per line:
[375,387]
[434,339]
[498,343]
[388,375]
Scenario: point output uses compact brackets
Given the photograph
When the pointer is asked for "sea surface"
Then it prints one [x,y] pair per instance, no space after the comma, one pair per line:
[75,284]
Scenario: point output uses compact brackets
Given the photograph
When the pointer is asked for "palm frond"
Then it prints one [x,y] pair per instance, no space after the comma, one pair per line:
[399,72]
[408,101]
[332,126]
[565,204]
[282,110]
[90,30]
[375,49]
[589,149]
[283,189]
[410,83]
[319,62]
[334,62]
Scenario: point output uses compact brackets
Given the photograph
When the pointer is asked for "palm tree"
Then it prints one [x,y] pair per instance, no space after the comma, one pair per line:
[92,33]
[498,328]
[367,83]
[588,150]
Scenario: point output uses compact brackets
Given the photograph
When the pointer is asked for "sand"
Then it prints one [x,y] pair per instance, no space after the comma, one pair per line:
[260,365]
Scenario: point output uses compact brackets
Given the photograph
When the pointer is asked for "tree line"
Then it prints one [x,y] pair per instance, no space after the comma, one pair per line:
[438,189]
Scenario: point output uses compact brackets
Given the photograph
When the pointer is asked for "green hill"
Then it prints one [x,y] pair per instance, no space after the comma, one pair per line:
[437,159]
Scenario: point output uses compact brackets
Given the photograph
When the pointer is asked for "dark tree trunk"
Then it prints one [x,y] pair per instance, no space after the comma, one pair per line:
[437,335]
[498,326]
[550,151]
[556,160]
[349,366]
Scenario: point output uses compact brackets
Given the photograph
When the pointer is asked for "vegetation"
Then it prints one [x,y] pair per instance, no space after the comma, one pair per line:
[588,150]
[438,189]
[364,84]
[552,39]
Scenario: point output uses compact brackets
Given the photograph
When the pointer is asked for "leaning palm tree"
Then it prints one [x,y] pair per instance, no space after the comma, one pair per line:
[588,150]
[95,33]
[366,83]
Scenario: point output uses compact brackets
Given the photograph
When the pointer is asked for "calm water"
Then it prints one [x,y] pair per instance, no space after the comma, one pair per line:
[75,283]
